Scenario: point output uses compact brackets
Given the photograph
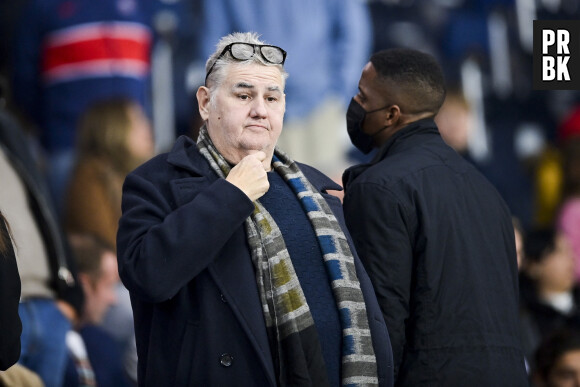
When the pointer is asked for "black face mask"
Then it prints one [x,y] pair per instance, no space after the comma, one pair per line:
[355,116]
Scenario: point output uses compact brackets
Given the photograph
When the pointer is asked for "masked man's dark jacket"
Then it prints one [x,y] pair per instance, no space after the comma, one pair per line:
[438,243]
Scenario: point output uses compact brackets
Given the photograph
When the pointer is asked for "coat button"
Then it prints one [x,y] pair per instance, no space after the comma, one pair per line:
[226,359]
[223,298]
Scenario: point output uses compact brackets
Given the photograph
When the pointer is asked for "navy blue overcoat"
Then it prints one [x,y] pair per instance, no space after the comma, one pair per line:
[184,257]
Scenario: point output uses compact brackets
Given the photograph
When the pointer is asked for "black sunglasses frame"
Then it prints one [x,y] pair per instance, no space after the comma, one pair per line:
[228,48]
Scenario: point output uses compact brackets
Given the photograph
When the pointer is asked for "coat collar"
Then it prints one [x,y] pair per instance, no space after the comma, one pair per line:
[404,135]
[185,155]
[408,136]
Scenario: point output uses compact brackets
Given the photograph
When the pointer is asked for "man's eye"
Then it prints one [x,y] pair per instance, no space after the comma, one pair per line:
[243,97]
[272,99]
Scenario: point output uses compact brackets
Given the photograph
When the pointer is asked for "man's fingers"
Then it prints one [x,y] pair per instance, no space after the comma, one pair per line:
[260,155]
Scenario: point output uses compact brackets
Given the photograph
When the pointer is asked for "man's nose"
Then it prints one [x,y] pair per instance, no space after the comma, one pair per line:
[258,108]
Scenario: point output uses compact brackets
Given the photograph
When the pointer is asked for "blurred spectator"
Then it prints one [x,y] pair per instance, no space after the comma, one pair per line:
[328,42]
[568,218]
[118,322]
[114,138]
[548,178]
[549,295]
[95,356]
[20,376]
[519,236]
[10,324]
[557,175]
[455,120]
[50,297]
[69,53]
[558,360]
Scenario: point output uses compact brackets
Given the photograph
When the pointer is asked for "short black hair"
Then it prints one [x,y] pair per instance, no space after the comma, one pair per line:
[415,72]
[552,348]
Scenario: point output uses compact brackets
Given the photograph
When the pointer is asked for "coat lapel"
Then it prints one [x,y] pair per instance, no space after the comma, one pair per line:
[233,273]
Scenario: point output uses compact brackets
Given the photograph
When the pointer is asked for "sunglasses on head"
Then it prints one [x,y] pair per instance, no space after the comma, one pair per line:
[245,51]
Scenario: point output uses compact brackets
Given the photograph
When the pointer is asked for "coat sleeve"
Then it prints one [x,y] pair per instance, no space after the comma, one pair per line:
[9,301]
[162,247]
[380,227]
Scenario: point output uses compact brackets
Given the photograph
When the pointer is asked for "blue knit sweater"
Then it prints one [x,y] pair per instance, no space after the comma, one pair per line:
[283,205]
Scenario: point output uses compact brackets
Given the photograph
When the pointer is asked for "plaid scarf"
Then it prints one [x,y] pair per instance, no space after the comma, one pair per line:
[293,336]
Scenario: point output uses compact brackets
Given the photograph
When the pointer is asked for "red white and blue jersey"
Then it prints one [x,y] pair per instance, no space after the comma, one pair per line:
[96,50]
[71,53]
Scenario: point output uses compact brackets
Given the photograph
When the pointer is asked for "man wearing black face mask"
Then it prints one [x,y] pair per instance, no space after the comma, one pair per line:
[435,236]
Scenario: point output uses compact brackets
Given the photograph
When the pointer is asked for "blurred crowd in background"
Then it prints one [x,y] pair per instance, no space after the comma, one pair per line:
[91,89]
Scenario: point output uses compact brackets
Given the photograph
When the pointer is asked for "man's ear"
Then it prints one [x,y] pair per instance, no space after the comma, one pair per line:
[393,116]
[203,97]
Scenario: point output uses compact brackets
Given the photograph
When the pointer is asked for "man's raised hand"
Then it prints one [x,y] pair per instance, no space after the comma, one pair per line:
[250,176]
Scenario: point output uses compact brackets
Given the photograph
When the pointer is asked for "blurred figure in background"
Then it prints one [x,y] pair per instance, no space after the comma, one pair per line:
[568,216]
[519,234]
[95,356]
[114,138]
[455,120]
[556,173]
[70,53]
[329,41]
[549,294]
[558,360]
[51,298]
[9,299]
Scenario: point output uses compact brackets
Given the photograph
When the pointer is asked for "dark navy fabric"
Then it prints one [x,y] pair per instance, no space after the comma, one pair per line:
[184,257]
[304,249]
[105,356]
[438,242]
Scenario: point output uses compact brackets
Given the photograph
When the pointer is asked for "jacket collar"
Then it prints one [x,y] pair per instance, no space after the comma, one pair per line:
[408,135]
[185,155]
[426,125]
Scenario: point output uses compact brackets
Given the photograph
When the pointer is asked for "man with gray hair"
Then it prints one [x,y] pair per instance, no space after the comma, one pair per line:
[239,265]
